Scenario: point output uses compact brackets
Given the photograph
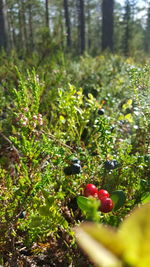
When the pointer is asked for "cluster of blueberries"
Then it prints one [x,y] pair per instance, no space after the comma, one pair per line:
[111,164]
[73,168]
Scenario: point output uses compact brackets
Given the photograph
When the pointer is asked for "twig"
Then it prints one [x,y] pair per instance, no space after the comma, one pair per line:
[57,141]
[10,143]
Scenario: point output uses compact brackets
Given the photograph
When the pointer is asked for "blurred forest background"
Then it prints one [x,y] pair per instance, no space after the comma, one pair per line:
[75,27]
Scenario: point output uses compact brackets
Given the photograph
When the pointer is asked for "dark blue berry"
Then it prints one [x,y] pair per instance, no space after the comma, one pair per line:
[115,162]
[76,168]
[22,215]
[111,164]
[68,170]
[75,160]
[72,169]
[101,111]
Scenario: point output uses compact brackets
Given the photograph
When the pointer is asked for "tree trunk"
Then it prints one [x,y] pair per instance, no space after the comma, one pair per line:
[3,30]
[88,26]
[31,42]
[12,24]
[22,27]
[46,14]
[10,29]
[67,21]
[127,29]
[107,24]
[81,25]
[23,11]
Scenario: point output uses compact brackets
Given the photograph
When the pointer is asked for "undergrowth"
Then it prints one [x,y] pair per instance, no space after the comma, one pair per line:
[49,115]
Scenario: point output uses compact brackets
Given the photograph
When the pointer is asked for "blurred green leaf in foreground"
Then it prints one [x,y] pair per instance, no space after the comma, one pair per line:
[127,246]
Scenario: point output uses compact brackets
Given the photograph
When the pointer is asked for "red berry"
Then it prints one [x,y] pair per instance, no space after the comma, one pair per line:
[102,193]
[106,204]
[90,190]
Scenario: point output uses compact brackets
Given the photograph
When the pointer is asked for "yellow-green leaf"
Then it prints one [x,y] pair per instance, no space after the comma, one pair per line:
[71,87]
[98,253]
[35,221]
[121,117]
[44,210]
[105,235]
[128,117]
[90,96]
[62,119]
[129,102]
[130,244]
[145,198]
[135,231]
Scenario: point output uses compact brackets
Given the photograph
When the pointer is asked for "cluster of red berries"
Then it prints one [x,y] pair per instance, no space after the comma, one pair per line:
[104,197]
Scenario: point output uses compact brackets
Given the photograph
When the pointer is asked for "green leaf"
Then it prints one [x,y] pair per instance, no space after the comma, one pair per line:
[44,210]
[129,117]
[118,197]
[129,102]
[127,105]
[49,200]
[87,204]
[100,244]
[35,221]
[135,231]
[62,119]
[147,158]
[90,96]
[130,243]
[65,224]
[143,183]
[145,198]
